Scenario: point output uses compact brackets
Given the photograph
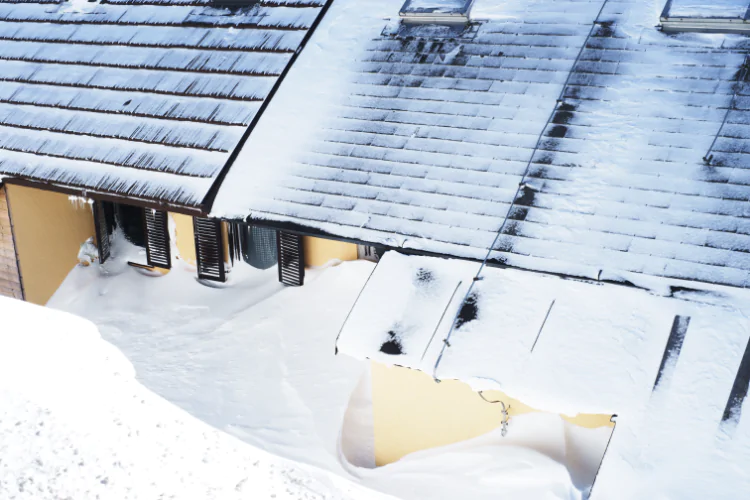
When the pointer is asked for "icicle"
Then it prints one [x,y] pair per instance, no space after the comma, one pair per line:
[505,419]
[81,202]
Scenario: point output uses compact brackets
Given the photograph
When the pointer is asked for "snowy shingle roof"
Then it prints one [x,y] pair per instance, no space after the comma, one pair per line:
[137,97]
[426,143]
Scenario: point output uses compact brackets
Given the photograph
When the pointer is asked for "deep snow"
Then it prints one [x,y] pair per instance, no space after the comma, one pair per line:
[568,346]
[74,424]
[257,360]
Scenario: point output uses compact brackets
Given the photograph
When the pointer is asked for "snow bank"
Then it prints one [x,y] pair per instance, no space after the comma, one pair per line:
[75,424]
[568,346]
[257,360]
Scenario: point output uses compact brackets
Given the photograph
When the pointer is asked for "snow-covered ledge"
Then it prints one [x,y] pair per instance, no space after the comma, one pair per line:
[560,345]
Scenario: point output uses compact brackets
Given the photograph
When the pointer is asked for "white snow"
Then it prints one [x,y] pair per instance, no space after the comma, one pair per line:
[74,423]
[390,145]
[709,8]
[257,360]
[598,351]
[434,6]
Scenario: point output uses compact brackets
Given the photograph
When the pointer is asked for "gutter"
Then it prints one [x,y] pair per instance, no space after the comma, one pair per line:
[104,196]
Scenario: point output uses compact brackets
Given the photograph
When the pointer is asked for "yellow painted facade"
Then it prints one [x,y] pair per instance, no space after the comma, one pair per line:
[411,412]
[225,239]
[49,230]
[319,251]
[184,237]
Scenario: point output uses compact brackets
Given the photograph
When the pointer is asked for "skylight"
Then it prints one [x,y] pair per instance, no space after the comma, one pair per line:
[436,11]
[709,16]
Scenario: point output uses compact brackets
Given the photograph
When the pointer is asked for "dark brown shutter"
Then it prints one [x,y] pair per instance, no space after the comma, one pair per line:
[236,235]
[291,259]
[157,239]
[209,249]
[103,231]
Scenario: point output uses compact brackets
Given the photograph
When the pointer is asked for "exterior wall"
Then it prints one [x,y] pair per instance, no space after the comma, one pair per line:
[184,237]
[49,230]
[225,240]
[10,280]
[411,412]
[318,251]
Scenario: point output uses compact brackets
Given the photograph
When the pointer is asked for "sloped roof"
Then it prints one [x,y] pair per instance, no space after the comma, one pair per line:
[145,98]
[427,144]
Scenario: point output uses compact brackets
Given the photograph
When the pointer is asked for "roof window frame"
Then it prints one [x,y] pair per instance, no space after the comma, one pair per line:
[717,24]
[433,16]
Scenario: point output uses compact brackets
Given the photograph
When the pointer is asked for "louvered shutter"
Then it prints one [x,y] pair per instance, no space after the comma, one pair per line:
[103,230]
[291,259]
[157,239]
[209,249]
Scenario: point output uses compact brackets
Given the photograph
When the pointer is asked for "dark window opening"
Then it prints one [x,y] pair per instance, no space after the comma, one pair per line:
[372,253]
[130,220]
[253,245]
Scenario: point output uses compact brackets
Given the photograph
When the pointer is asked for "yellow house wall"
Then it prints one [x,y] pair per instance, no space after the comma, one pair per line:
[318,251]
[184,237]
[411,412]
[49,230]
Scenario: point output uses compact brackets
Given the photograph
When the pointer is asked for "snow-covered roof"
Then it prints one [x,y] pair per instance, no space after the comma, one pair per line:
[674,368]
[418,137]
[526,332]
[141,98]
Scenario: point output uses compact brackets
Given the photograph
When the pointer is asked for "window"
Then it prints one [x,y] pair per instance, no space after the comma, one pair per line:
[436,11]
[252,244]
[130,220]
[706,16]
[143,227]
[371,253]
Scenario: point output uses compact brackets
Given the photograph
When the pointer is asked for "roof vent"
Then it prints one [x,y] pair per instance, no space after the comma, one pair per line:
[706,16]
[436,11]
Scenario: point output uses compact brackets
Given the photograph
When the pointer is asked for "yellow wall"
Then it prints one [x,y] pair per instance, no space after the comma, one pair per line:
[225,239]
[411,412]
[185,237]
[318,251]
[49,230]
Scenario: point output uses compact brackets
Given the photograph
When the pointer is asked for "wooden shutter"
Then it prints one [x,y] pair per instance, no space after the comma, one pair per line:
[157,239]
[291,259]
[103,231]
[209,249]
